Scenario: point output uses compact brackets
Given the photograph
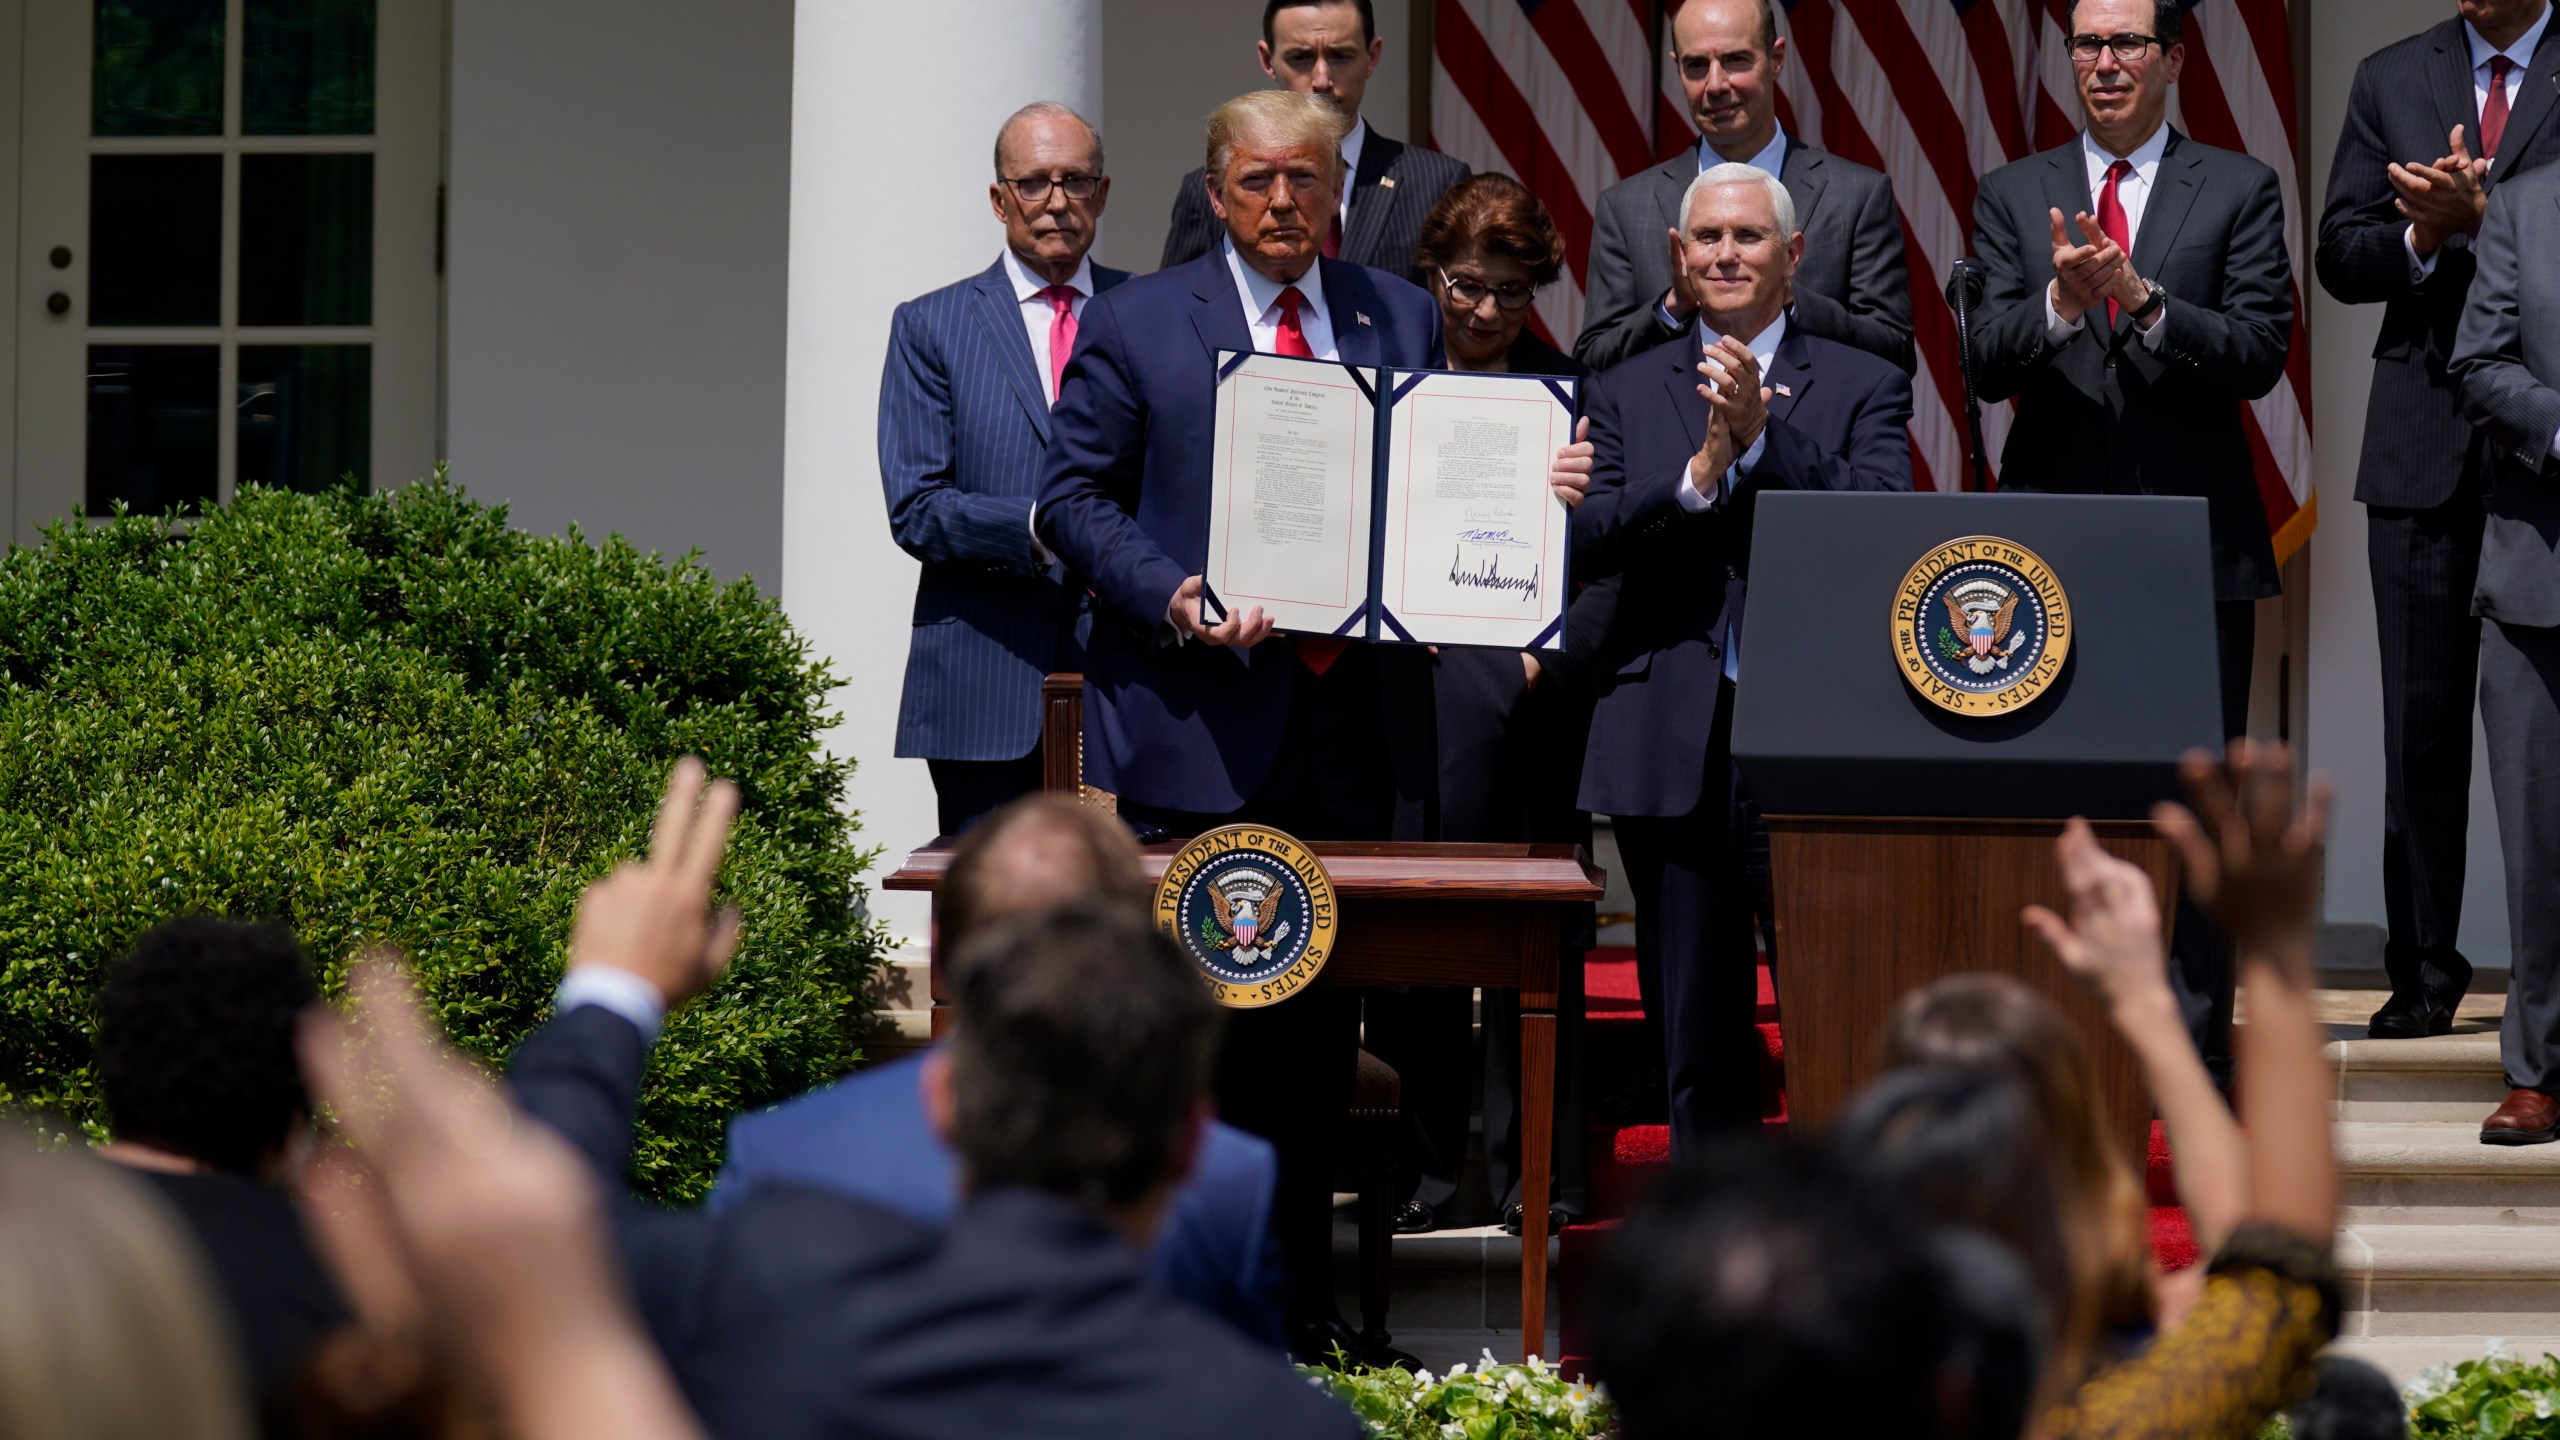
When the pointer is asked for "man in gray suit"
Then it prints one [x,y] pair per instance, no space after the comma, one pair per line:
[1851,286]
[2506,358]
[1329,49]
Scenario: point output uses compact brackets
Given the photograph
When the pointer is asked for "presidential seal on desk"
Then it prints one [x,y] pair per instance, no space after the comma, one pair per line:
[1254,910]
[1981,626]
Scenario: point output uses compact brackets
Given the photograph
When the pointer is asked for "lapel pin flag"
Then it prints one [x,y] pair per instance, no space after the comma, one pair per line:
[1783,390]
[1388,182]
[1360,316]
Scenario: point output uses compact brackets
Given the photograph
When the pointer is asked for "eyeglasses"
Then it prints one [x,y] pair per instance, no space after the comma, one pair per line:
[2128,46]
[1470,292]
[1035,188]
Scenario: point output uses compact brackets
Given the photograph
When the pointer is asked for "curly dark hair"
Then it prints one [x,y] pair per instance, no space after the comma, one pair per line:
[195,1040]
[1499,213]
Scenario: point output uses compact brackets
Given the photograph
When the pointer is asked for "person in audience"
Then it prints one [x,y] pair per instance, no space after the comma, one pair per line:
[1329,49]
[867,1135]
[497,1227]
[1511,725]
[109,1322]
[964,415]
[1683,438]
[2353,1401]
[1764,1291]
[1074,1088]
[205,1102]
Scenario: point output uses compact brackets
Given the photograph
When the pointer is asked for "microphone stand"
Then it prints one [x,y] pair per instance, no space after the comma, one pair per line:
[1964,291]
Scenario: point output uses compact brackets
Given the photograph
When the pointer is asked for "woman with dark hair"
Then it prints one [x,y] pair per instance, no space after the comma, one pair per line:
[1511,727]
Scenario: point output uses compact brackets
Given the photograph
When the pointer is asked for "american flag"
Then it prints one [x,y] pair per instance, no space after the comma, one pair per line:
[1572,95]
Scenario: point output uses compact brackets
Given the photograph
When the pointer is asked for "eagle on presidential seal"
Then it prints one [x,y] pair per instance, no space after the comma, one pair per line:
[1983,638]
[1244,915]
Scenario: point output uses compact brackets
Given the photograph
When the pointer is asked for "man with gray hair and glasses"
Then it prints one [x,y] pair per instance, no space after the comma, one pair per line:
[964,417]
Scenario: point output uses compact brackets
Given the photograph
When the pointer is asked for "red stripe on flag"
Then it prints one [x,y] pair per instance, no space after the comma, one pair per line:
[1586,68]
[2271,35]
[1921,93]
[2273,497]
[1506,117]
[1994,62]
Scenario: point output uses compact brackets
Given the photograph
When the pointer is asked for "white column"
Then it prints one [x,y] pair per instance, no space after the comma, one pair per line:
[894,112]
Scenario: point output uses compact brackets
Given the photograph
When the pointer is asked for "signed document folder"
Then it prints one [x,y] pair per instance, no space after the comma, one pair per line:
[1406,506]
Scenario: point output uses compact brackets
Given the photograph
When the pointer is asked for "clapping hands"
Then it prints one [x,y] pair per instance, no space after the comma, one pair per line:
[2442,199]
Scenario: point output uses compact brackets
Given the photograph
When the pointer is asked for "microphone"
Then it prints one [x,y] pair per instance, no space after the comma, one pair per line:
[1964,283]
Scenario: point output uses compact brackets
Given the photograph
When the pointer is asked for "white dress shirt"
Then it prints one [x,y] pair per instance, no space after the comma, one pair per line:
[1764,348]
[614,989]
[1038,314]
[2133,192]
[1351,145]
[2482,52]
[1260,296]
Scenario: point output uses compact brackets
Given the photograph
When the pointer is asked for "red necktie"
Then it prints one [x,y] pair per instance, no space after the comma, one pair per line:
[1316,652]
[2493,115]
[2111,220]
[1062,335]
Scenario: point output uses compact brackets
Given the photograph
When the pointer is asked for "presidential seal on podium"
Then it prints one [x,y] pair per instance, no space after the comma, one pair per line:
[1981,626]
[1254,910]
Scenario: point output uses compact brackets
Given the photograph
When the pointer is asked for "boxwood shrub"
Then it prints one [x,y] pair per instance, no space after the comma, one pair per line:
[394,718]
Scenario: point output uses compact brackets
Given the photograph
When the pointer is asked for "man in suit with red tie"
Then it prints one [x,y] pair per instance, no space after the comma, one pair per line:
[1197,721]
[2139,296]
[2399,229]
[964,415]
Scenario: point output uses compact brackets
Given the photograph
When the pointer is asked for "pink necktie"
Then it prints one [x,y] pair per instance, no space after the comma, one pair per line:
[1316,652]
[2111,219]
[1062,335]
[2493,115]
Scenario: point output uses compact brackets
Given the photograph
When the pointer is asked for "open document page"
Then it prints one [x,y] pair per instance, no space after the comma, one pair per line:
[1475,542]
[1291,480]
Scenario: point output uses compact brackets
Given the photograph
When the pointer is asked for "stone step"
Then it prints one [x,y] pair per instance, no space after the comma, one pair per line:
[2402,1357]
[902,1003]
[2416,1281]
[1447,1280]
[2451,1079]
[2440,1174]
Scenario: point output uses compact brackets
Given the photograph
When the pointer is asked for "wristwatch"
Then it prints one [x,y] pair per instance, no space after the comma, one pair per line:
[2150,307]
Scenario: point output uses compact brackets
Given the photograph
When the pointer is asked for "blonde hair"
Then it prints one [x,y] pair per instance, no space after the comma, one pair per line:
[107,1324]
[1282,117]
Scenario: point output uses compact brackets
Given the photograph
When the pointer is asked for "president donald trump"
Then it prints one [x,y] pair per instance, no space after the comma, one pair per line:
[1196,720]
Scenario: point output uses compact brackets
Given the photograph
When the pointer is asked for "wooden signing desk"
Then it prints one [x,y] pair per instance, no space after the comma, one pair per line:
[1442,915]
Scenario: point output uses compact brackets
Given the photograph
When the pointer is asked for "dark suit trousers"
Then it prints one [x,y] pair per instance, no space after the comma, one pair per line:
[2200,968]
[967,791]
[2520,717]
[1285,1072]
[1694,908]
[2424,565]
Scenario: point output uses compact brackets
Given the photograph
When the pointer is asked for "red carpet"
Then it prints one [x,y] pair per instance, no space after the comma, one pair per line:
[1626,1158]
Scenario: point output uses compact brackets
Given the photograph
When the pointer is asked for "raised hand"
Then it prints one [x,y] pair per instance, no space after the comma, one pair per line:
[2253,854]
[1678,301]
[1242,629]
[2083,274]
[2112,939]
[1569,474]
[2442,199]
[1735,391]
[652,917]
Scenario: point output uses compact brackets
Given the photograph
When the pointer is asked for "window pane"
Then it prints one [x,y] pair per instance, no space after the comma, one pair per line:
[152,412]
[306,414]
[155,239]
[307,67]
[306,239]
[156,67]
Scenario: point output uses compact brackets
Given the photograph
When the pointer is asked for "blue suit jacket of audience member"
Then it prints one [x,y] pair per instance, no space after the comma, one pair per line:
[867,1136]
[963,419]
[1841,423]
[1124,500]
[805,1314]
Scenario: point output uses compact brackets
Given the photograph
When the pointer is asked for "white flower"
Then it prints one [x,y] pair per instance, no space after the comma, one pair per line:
[2542,1405]
[1423,1377]
[2497,1349]
[1458,1369]
[1454,1431]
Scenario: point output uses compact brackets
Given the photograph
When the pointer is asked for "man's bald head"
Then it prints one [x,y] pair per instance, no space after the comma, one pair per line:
[1036,854]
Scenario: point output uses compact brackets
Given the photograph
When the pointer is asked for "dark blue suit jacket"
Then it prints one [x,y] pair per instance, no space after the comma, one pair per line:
[799,1313]
[1844,426]
[963,420]
[866,1136]
[1124,500]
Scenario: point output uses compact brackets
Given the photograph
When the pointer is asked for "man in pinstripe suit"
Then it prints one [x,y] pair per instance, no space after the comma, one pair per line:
[964,418]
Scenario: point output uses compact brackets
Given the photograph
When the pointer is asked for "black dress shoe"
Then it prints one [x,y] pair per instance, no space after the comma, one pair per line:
[1415,1218]
[1513,1221]
[1337,1346]
[2411,1015]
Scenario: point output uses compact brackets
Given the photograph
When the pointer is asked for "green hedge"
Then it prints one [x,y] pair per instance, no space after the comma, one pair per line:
[392,717]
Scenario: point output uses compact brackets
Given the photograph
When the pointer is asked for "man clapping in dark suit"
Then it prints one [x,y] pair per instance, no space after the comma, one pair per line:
[964,414]
[2138,297]
[1851,286]
[1683,437]
[1329,49]
[2398,229]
